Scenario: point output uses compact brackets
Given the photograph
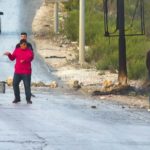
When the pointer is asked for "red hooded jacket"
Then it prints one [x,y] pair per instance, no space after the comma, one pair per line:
[23,60]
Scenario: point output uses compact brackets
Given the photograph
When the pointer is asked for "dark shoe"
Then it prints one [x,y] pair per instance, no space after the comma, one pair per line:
[16,101]
[29,102]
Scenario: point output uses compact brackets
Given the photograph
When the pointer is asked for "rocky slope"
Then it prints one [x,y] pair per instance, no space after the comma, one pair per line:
[62,56]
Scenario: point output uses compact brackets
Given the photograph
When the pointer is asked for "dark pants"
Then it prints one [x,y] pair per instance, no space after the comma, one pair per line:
[27,85]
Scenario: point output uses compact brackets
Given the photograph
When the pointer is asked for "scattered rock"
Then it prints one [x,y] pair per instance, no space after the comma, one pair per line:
[53,84]
[102,97]
[123,107]
[74,84]
[38,84]
[94,107]
[107,84]
[9,81]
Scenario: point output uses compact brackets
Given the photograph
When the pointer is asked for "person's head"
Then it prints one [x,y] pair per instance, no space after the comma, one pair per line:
[23,44]
[23,36]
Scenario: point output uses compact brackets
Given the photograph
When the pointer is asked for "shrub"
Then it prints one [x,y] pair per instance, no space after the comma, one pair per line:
[136,69]
[71,28]
[104,51]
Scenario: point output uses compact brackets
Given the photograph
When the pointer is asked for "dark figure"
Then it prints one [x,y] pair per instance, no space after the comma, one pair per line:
[23,56]
[23,36]
[148,63]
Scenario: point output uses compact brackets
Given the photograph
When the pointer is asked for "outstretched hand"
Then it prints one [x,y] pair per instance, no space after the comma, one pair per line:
[6,53]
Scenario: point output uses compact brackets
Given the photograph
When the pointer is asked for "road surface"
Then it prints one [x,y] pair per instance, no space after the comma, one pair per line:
[59,119]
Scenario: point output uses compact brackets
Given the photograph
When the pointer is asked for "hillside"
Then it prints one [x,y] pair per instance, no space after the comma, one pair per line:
[103,51]
[60,54]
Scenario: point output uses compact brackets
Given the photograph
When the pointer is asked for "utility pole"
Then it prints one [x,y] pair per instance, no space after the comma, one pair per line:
[56,18]
[122,76]
[82,33]
[56,11]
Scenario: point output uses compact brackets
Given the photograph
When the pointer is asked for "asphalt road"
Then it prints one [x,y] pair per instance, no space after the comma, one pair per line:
[60,119]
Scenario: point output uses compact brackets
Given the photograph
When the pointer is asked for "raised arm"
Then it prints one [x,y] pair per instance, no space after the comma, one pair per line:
[10,56]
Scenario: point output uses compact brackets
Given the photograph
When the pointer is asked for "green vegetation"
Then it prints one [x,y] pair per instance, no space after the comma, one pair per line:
[104,51]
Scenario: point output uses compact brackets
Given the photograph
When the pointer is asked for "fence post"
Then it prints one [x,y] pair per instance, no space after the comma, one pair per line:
[56,18]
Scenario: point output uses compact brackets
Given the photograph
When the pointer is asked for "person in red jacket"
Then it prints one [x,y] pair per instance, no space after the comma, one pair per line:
[23,56]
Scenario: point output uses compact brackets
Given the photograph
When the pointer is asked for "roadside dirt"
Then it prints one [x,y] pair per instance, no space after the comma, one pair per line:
[62,56]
